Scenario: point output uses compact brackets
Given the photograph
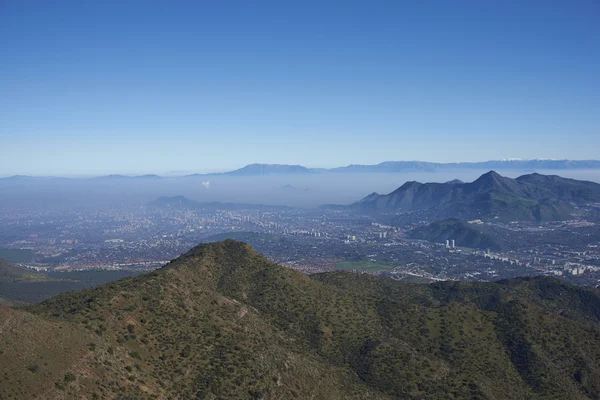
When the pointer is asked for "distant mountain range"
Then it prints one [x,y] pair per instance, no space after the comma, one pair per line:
[463,233]
[117,176]
[513,164]
[384,167]
[532,197]
[411,166]
[223,322]
[271,169]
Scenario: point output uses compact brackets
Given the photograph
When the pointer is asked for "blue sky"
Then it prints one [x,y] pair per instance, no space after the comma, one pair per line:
[93,87]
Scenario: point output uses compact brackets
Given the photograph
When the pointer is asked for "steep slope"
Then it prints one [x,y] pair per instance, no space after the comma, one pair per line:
[181,330]
[458,230]
[562,188]
[224,322]
[20,285]
[11,273]
[529,198]
[42,357]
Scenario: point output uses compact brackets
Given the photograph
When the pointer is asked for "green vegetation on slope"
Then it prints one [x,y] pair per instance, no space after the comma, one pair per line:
[463,233]
[21,285]
[12,273]
[224,322]
[531,197]
[34,287]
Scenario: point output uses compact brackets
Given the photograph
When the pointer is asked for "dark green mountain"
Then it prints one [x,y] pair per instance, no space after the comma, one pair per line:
[463,233]
[223,322]
[531,197]
[11,276]
[8,271]
[11,273]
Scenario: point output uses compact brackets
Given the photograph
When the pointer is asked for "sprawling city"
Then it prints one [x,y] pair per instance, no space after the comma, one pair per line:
[142,238]
[293,200]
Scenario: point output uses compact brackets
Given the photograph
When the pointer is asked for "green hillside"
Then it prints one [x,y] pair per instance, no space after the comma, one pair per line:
[463,233]
[223,322]
[11,273]
[532,197]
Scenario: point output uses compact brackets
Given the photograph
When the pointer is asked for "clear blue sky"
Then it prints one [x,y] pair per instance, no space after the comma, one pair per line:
[92,87]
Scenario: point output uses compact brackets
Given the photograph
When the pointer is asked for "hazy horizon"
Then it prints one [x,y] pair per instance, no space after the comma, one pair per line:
[94,88]
[305,190]
[180,173]
[306,236]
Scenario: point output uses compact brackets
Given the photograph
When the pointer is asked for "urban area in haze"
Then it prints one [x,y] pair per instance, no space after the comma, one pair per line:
[137,232]
[273,200]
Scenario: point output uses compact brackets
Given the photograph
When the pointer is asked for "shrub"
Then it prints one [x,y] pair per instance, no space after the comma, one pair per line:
[33,368]
[69,377]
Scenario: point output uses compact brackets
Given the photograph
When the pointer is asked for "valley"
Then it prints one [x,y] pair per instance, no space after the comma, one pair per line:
[399,243]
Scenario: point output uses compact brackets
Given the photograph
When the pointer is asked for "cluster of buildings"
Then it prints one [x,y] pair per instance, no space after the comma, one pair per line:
[144,237]
[575,269]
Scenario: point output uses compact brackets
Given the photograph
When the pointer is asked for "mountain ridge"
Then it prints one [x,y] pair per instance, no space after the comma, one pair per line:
[11,272]
[532,197]
[258,169]
[222,321]
[463,233]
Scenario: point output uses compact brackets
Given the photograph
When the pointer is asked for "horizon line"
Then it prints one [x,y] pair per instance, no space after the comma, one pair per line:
[168,175]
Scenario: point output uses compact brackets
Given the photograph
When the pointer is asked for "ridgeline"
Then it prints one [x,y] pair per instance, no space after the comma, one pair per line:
[223,322]
[532,197]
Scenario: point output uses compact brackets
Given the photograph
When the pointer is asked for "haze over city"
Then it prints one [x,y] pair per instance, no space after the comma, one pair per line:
[299,199]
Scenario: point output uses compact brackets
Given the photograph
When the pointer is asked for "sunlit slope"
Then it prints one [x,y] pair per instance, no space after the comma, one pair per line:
[224,322]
